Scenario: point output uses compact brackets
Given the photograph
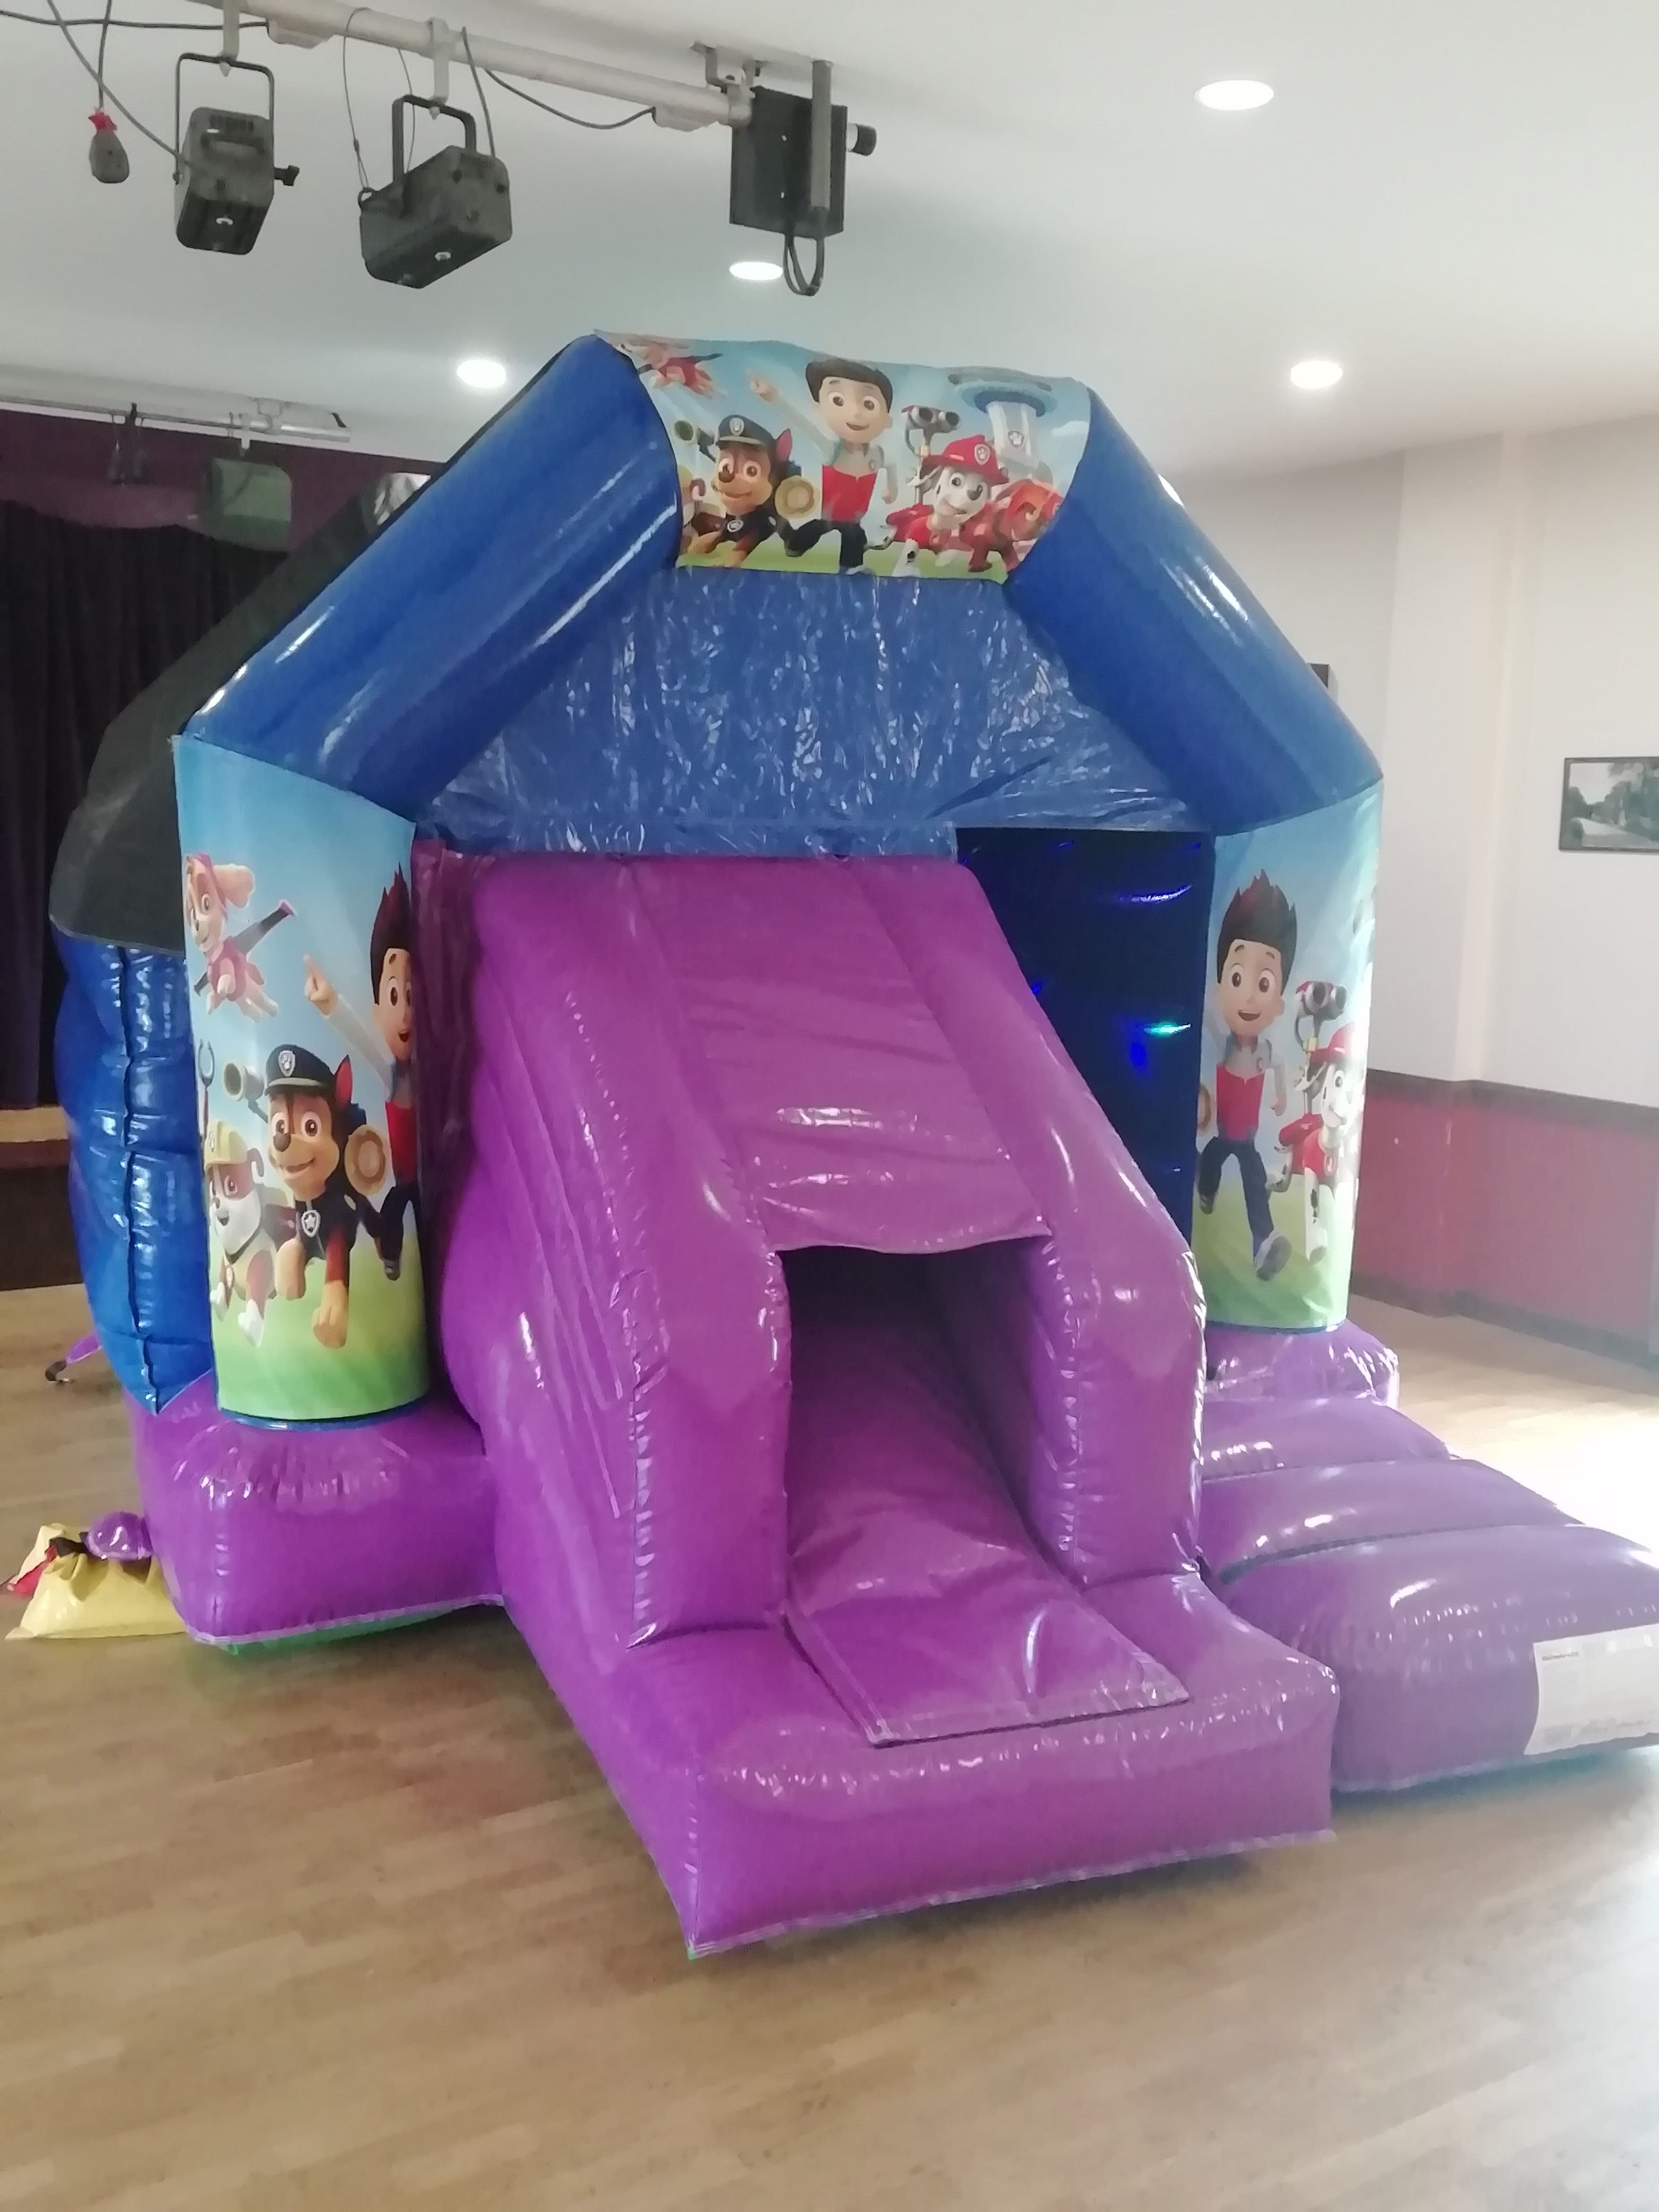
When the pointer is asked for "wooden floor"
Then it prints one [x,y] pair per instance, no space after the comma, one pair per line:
[362,1927]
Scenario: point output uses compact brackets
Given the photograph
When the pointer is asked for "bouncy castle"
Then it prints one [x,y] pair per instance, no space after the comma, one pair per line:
[740,1027]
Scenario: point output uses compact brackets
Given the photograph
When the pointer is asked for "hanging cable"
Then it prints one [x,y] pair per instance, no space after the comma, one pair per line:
[478,86]
[582,122]
[106,95]
[414,112]
[345,86]
[804,287]
[114,23]
[363,185]
[103,40]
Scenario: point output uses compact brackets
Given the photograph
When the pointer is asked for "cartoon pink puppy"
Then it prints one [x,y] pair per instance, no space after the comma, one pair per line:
[230,978]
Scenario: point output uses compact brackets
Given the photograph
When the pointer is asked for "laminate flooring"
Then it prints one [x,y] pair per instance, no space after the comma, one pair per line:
[362,1926]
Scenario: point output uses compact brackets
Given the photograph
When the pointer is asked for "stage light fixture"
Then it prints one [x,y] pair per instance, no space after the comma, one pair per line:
[789,172]
[246,502]
[225,171]
[441,214]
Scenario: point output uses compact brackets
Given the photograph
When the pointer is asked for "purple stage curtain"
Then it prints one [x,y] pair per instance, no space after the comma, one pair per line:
[87,619]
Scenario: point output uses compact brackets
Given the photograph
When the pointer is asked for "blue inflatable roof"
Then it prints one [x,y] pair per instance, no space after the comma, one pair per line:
[516,662]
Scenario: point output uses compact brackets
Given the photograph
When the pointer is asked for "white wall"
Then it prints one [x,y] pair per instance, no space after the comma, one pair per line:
[1272,529]
[1574,1004]
[1488,609]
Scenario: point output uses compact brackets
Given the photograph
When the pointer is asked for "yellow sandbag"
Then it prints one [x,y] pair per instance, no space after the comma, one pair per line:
[78,1595]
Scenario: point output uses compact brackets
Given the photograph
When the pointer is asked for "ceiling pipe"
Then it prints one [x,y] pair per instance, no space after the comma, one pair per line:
[674,104]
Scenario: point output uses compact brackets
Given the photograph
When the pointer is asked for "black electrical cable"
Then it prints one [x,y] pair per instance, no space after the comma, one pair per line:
[143,129]
[582,122]
[478,86]
[804,287]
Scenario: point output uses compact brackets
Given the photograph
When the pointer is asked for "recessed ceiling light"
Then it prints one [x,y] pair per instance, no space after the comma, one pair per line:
[757,272]
[1173,493]
[480,373]
[1317,375]
[1233,95]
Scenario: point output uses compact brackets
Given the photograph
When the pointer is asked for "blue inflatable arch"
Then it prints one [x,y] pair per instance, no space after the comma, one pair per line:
[516,661]
[445,629]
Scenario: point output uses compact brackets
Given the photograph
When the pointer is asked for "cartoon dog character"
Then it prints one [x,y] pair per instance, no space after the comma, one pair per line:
[1019,517]
[956,485]
[752,468]
[245,1225]
[1321,1140]
[388,1045]
[330,1159]
[668,362]
[229,978]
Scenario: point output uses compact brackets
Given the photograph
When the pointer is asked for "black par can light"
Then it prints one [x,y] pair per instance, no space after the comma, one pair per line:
[441,214]
[225,171]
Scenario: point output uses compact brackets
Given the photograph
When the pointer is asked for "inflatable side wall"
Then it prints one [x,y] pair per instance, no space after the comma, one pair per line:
[126,1081]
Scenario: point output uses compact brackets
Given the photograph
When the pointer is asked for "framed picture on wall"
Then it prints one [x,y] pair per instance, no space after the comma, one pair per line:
[1610,806]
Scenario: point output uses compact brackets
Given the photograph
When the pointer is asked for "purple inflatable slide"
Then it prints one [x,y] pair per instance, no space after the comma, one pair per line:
[836,1383]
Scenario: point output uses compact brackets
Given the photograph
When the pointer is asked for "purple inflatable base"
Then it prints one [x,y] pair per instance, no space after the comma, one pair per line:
[766,1811]
[1421,1580]
[1344,1362]
[264,1533]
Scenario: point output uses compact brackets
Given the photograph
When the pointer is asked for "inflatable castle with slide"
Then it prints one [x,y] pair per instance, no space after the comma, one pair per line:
[741,1028]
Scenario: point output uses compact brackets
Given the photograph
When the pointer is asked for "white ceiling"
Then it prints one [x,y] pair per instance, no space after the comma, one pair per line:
[1457,199]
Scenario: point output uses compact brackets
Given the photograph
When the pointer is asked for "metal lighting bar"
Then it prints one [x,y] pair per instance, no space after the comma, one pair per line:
[676,105]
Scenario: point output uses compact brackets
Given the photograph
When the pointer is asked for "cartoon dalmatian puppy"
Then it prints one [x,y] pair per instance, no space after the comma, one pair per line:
[1321,1140]
[955,486]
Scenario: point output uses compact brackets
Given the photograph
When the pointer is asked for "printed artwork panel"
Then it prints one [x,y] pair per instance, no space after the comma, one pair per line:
[298,944]
[1287,1011]
[817,461]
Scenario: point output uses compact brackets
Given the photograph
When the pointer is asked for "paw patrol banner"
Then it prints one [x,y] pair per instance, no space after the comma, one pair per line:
[1287,1009]
[300,950]
[791,459]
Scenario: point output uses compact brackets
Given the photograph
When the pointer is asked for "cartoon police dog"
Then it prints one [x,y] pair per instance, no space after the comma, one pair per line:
[324,1151]
[245,1224]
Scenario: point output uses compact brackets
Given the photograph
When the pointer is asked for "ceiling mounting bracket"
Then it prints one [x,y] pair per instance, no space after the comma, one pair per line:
[233,38]
[729,70]
[443,44]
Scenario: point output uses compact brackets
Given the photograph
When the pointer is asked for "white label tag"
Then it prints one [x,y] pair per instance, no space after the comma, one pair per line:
[1596,1689]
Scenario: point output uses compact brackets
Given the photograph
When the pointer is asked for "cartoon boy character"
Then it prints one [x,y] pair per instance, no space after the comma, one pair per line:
[750,466]
[1254,951]
[389,1048]
[853,405]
